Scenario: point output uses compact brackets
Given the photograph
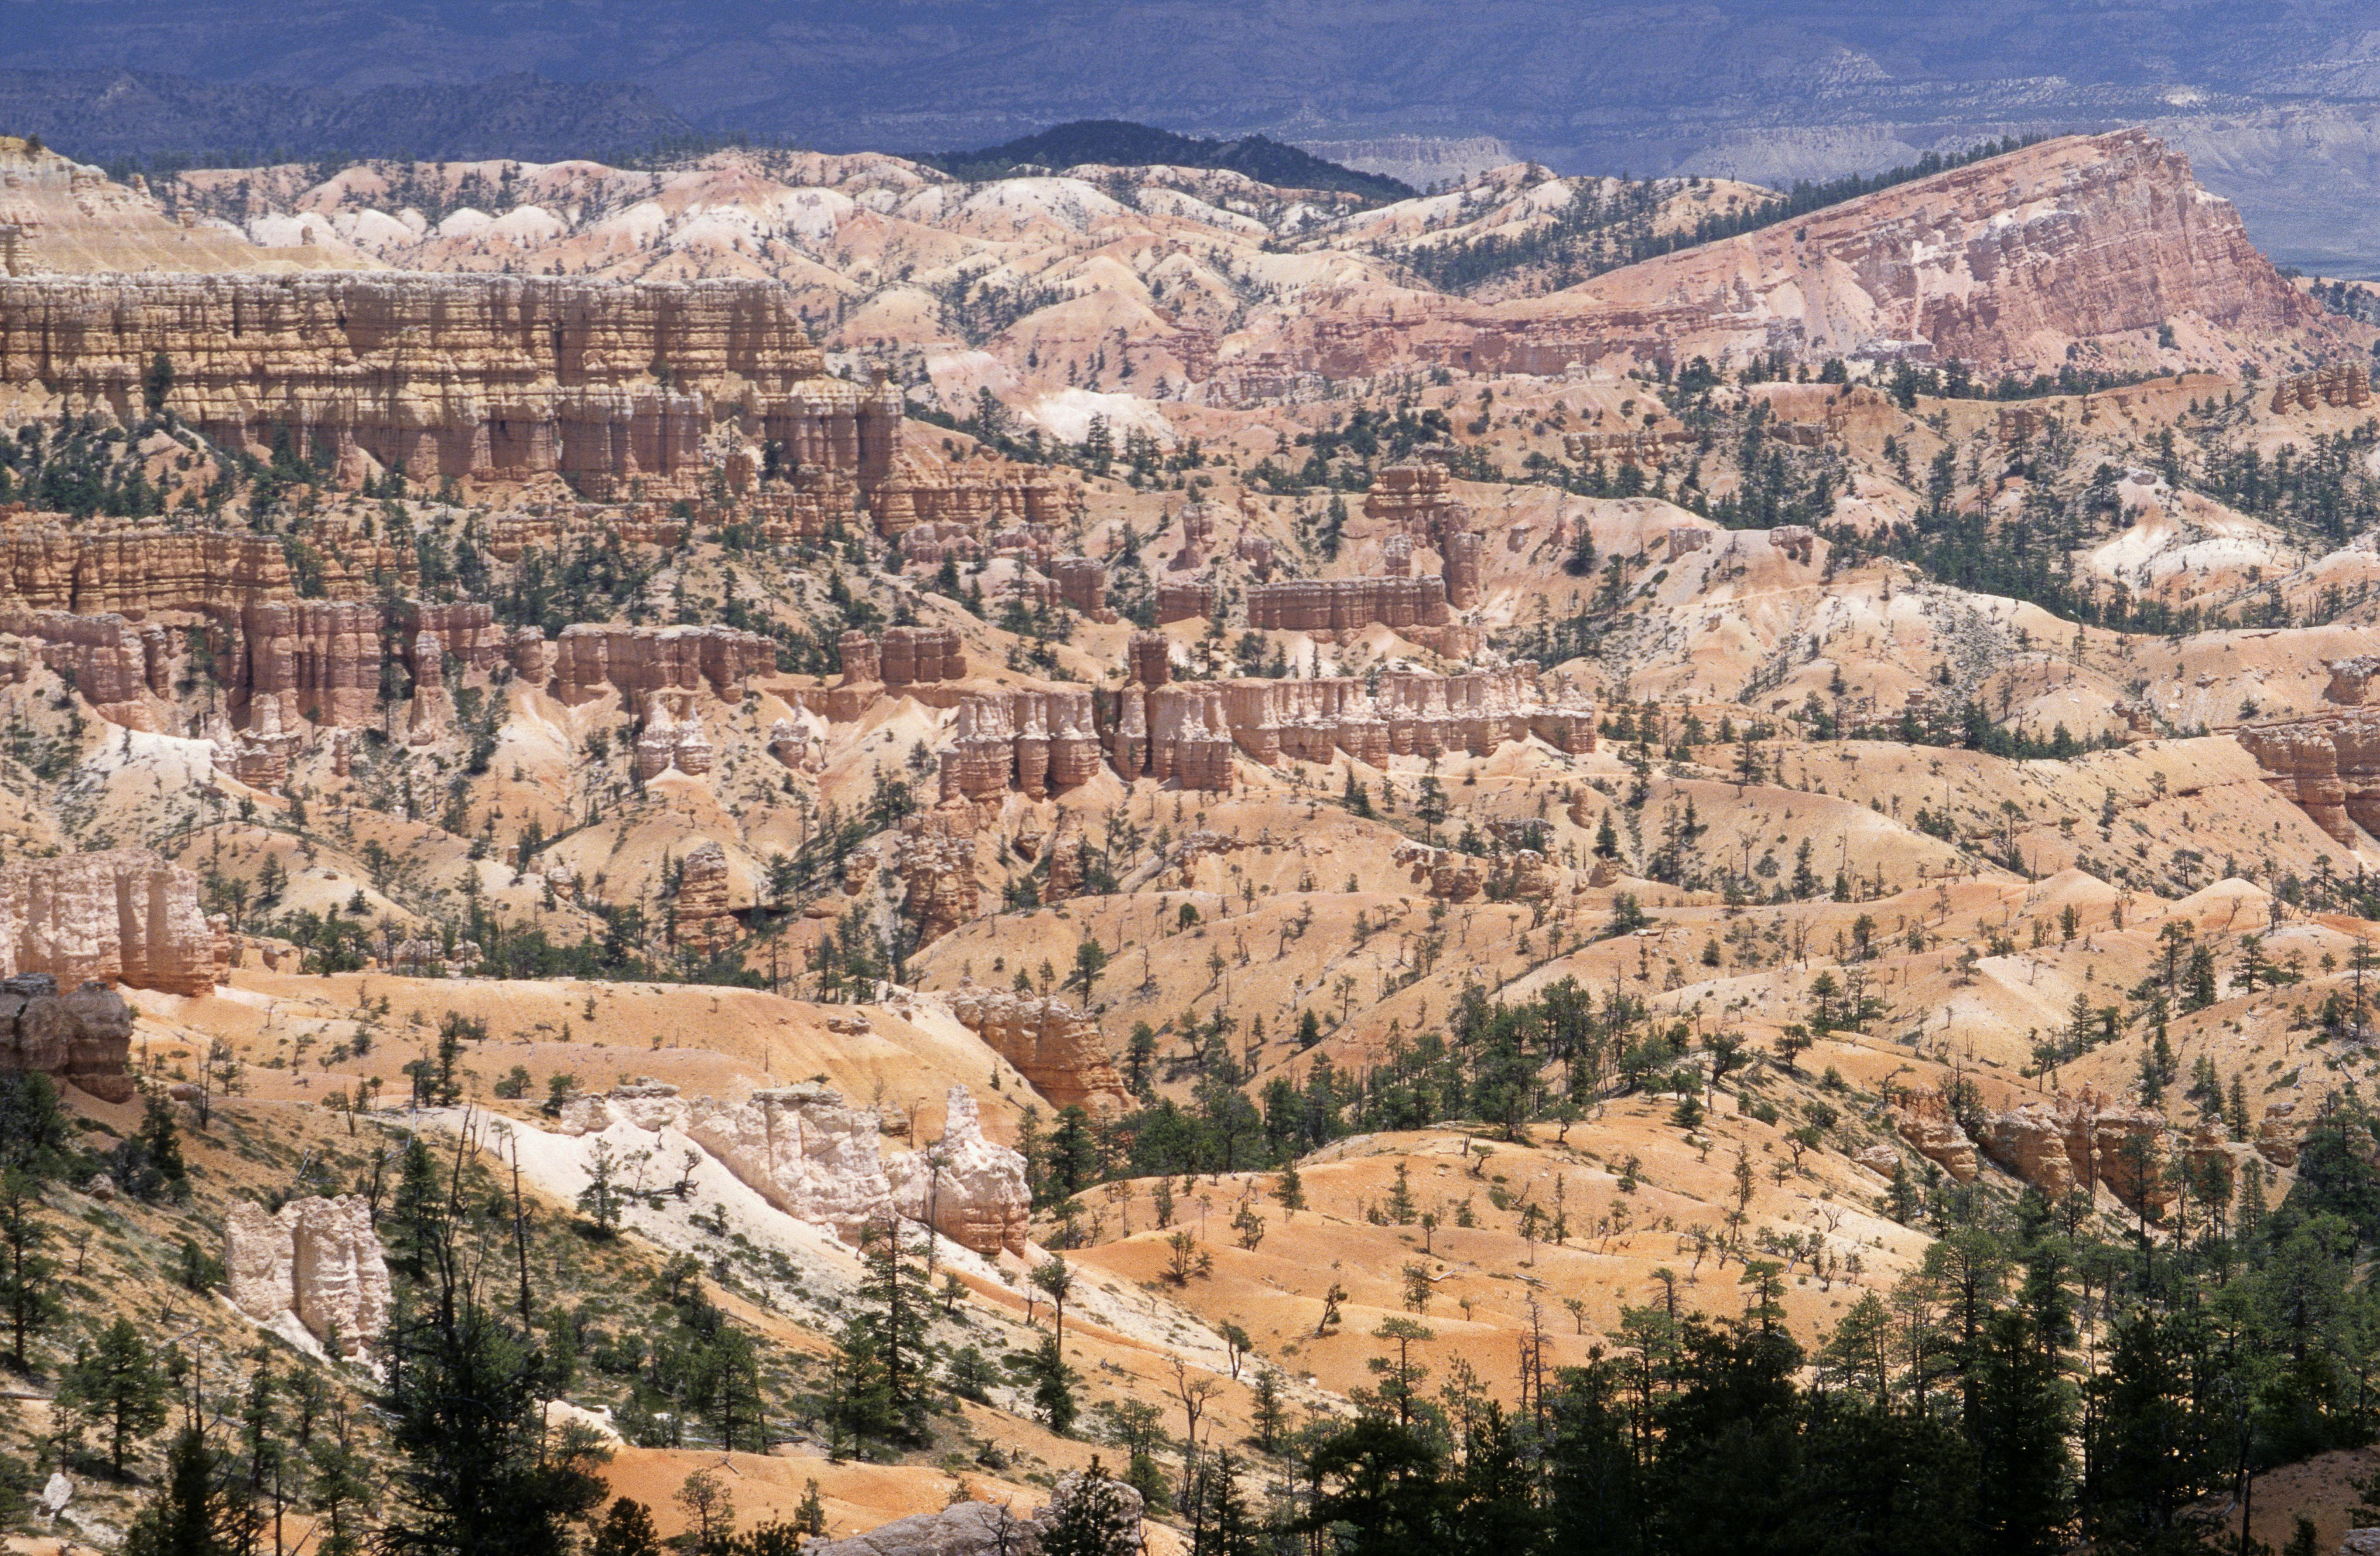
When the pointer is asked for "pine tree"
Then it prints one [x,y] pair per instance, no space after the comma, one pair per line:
[28,1294]
[626,1530]
[195,1512]
[115,1383]
[894,1295]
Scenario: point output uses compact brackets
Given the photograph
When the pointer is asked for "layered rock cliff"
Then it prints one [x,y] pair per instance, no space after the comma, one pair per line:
[125,916]
[1057,1047]
[2003,264]
[491,376]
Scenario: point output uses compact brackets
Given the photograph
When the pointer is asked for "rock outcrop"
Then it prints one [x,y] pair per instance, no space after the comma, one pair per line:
[123,916]
[1524,875]
[2341,384]
[1923,1119]
[2087,1140]
[2327,764]
[935,859]
[1320,606]
[318,1259]
[817,1160]
[2000,264]
[1189,730]
[591,658]
[1034,742]
[672,737]
[481,376]
[910,654]
[964,1186]
[1057,1047]
[699,918]
[802,1151]
[83,1038]
[974,496]
[982,1528]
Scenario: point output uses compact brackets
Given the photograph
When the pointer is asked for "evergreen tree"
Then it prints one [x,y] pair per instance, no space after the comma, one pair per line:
[114,1383]
[28,1294]
[626,1530]
[898,1307]
[195,1512]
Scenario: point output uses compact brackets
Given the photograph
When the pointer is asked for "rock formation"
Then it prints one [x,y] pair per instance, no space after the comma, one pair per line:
[935,858]
[973,496]
[1058,1048]
[319,1259]
[592,657]
[83,1038]
[2327,763]
[803,1151]
[964,1186]
[909,654]
[699,918]
[2342,383]
[1150,657]
[126,916]
[672,737]
[817,1160]
[465,631]
[2087,1140]
[1999,264]
[1035,742]
[982,1528]
[1321,606]
[114,665]
[1188,731]
[481,376]
[1082,582]
[1184,599]
[1524,875]
[1923,1119]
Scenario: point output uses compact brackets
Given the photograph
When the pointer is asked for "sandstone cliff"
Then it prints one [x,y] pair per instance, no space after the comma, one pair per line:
[2003,264]
[83,1038]
[318,1259]
[1058,1048]
[964,1186]
[126,916]
[489,377]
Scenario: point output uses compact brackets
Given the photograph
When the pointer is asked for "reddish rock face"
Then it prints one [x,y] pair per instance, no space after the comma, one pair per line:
[489,377]
[1034,742]
[1923,1119]
[589,658]
[2328,764]
[1184,600]
[2000,264]
[1347,604]
[935,859]
[1196,728]
[1058,1048]
[910,654]
[1151,657]
[702,918]
[971,496]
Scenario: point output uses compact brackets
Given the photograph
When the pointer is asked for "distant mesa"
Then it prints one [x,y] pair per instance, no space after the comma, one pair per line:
[1121,143]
